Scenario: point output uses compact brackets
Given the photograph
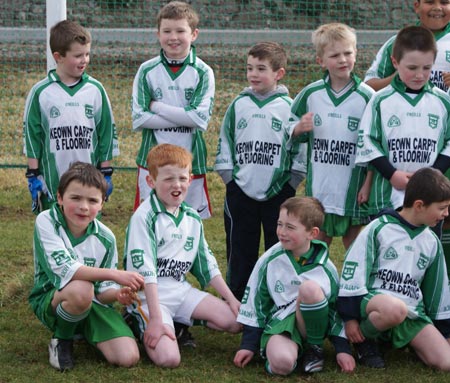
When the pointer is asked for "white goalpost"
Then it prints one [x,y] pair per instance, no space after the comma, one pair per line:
[56,10]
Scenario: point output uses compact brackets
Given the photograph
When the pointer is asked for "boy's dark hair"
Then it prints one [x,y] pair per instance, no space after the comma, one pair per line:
[414,38]
[177,10]
[270,51]
[167,154]
[66,32]
[428,185]
[86,174]
[308,210]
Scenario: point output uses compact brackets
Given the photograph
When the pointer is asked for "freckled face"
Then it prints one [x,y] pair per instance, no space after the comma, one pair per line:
[171,185]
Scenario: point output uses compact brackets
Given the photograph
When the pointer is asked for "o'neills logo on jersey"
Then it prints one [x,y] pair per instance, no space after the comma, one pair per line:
[349,270]
[393,122]
[89,111]
[390,254]
[54,112]
[279,287]
[137,258]
[317,120]
[242,124]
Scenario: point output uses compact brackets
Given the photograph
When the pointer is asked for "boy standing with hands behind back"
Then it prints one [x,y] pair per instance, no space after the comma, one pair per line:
[173,96]
[257,161]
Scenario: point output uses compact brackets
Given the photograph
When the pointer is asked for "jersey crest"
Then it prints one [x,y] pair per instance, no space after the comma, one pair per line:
[433,121]
[89,111]
[54,112]
[137,258]
[349,270]
[189,245]
[423,261]
[353,123]
[276,124]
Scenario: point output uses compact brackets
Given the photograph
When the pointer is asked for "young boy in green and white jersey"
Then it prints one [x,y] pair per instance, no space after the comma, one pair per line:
[257,161]
[405,126]
[75,273]
[67,118]
[288,307]
[165,241]
[434,15]
[394,284]
[330,111]
[173,97]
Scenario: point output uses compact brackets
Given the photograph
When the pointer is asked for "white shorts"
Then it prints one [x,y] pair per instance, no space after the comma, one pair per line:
[197,195]
[179,309]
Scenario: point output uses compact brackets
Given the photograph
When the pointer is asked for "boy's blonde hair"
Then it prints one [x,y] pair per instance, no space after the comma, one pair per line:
[330,33]
[308,210]
[177,10]
[273,52]
[167,154]
[66,32]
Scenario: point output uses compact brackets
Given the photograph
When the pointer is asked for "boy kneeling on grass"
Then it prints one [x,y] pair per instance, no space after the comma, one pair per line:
[76,278]
[394,284]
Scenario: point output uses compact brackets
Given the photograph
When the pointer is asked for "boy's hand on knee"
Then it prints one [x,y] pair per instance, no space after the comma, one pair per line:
[242,358]
[154,331]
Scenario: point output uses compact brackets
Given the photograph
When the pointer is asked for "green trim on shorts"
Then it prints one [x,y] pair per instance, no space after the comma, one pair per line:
[288,327]
[402,334]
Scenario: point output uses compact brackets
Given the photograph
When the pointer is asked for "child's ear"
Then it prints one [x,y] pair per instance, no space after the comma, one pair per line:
[319,61]
[56,56]
[418,204]
[59,199]
[150,181]
[314,233]
[394,62]
[280,73]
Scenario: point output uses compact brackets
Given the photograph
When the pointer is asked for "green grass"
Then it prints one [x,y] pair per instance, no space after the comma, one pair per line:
[23,339]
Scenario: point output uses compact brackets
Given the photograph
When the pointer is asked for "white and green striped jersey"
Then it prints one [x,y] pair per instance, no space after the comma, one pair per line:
[410,130]
[332,176]
[66,124]
[382,66]
[58,255]
[192,87]
[395,258]
[272,289]
[255,143]
[164,248]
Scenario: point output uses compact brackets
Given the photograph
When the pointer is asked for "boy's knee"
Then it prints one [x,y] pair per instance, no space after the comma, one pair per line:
[168,361]
[81,294]
[310,292]
[130,359]
[282,365]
